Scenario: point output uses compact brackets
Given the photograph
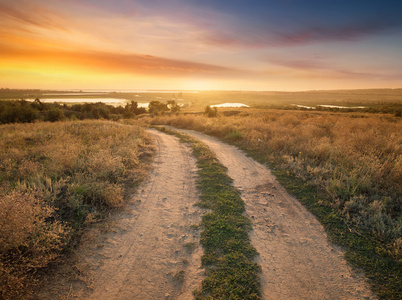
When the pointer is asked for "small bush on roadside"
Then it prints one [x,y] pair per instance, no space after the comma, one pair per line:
[55,178]
[30,238]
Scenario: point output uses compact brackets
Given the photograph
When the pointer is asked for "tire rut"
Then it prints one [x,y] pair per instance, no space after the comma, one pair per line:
[142,253]
[297,260]
[144,263]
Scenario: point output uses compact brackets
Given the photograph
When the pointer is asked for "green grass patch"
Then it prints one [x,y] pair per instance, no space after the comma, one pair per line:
[363,250]
[228,254]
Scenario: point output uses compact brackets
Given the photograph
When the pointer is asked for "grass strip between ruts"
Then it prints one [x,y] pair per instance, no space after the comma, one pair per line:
[228,254]
[362,250]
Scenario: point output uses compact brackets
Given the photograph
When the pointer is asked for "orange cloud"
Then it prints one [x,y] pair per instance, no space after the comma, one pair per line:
[34,37]
[27,14]
[316,68]
[106,62]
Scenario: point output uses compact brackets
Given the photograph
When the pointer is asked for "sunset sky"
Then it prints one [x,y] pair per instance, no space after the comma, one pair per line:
[194,44]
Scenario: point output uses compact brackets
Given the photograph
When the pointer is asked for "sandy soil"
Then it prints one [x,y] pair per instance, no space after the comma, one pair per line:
[296,258]
[143,252]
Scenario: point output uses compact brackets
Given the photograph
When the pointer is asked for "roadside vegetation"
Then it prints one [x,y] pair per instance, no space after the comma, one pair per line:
[22,111]
[346,168]
[228,254]
[345,165]
[56,179]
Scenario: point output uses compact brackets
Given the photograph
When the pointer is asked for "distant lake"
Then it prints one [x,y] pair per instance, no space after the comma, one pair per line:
[342,107]
[73,94]
[112,101]
[133,91]
[230,105]
[330,106]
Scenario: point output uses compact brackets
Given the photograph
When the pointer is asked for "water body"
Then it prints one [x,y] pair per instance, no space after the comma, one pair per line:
[133,91]
[304,106]
[144,105]
[112,101]
[342,107]
[73,94]
[329,106]
[230,105]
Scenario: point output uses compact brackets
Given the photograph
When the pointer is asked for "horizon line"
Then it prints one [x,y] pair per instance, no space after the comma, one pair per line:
[113,90]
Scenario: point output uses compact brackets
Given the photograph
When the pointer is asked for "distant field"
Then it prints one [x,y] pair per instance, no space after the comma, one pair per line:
[351,98]
[386,101]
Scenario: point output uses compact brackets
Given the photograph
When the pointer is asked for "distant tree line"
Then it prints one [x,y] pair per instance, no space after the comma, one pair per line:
[157,107]
[22,111]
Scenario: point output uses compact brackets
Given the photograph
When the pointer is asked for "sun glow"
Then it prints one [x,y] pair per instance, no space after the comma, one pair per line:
[138,45]
[200,85]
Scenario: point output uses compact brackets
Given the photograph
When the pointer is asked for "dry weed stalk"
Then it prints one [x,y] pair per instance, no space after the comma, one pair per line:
[55,179]
[356,159]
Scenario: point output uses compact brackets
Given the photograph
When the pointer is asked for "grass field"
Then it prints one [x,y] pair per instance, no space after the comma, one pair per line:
[346,167]
[57,178]
[373,100]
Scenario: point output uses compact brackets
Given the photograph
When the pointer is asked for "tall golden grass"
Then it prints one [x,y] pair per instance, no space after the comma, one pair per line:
[56,178]
[355,159]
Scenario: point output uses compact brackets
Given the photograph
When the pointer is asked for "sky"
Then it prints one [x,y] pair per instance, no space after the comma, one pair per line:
[270,45]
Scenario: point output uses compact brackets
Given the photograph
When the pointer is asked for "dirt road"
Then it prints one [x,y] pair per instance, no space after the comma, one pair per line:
[150,261]
[296,258]
[143,254]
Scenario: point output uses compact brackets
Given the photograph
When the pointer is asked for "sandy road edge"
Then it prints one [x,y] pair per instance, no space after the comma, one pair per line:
[139,253]
[297,260]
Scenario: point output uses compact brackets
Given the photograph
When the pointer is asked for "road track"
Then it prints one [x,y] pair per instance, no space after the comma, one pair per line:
[142,254]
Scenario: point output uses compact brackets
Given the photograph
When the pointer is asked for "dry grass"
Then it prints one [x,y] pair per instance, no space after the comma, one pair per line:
[56,178]
[355,159]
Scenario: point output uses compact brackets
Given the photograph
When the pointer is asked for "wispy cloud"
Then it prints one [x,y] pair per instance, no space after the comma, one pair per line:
[147,64]
[344,32]
[24,13]
[113,62]
[223,40]
[247,37]
[318,68]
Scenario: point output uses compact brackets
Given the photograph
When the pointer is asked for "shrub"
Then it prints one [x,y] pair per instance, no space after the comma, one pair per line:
[29,239]
[211,112]
[54,115]
[54,177]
